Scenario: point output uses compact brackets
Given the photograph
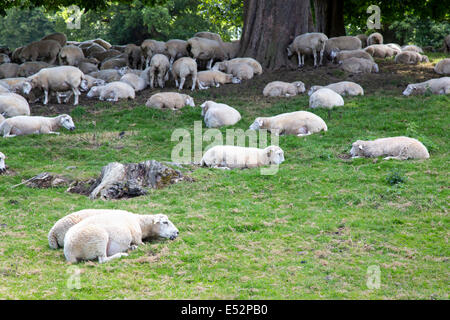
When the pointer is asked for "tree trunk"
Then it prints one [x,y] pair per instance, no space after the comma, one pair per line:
[270,26]
[329,16]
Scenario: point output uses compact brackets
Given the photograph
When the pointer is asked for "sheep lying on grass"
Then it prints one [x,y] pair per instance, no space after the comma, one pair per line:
[343,88]
[2,162]
[217,115]
[112,91]
[241,71]
[299,123]
[375,38]
[443,66]
[280,88]
[412,48]
[325,98]
[206,79]
[224,65]
[398,148]
[346,54]
[410,57]
[134,81]
[12,105]
[24,125]
[8,70]
[358,65]
[109,235]
[169,100]
[435,86]
[381,51]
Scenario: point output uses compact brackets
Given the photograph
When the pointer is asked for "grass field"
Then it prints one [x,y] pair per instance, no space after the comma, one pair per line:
[309,232]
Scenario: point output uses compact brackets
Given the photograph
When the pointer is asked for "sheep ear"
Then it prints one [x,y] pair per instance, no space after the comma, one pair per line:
[260,122]
[360,147]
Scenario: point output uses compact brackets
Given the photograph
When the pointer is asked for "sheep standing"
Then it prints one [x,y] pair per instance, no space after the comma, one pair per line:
[398,148]
[233,157]
[152,47]
[231,49]
[176,49]
[159,69]
[2,162]
[443,66]
[12,105]
[343,88]
[336,44]
[183,68]
[112,91]
[375,38]
[299,123]
[306,44]
[109,235]
[109,75]
[435,86]
[217,115]
[58,37]
[70,55]
[134,55]
[46,50]
[358,65]
[206,49]
[24,125]
[280,88]
[206,79]
[325,98]
[169,100]
[447,44]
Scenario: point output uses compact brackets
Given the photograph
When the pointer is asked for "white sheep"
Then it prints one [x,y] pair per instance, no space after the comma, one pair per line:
[346,54]
[231,48]
[9,70]
[413,48]
[380,51]
[398,148]
[58,79]
[91,82]
[176,49]
[4,87]
[109,75]
[337,44]
[233,157]
[70,55]
[410,57]
[2,161]
[208,78]
[395,47]
[112,91]
[435,86]
[151,47]
[307,44]
[169,100]
[159,69]
[280,88]
[443,66]
[299,123]
[209,35]
[242,71]
[343,88]
[2,118]
[206,49]
[12,105]
[325,98]
[58,231]
[138,83]
[358,65]
[183,68]
[375,38]
[24,125]
[217,115]
[223,66]
[109,235]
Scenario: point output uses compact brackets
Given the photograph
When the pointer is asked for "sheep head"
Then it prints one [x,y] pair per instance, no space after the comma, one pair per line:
[357,149]
[300,86]
[157,226]
[188,100]
[257,124]
[66,122]
[275,154]
[409,89]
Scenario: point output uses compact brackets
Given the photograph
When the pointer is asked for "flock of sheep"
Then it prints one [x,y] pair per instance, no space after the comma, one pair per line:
[109,72]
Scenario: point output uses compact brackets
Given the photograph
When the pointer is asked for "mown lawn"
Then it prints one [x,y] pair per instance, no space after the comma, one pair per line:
[310,231]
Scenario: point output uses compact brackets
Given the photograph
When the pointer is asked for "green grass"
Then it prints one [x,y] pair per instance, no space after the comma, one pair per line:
[310,231]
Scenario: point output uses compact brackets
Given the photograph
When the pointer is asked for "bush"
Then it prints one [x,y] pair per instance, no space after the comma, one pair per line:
[395,177]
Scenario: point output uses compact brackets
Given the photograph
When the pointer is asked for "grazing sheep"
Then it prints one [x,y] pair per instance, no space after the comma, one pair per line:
[134,81]
[410,57]
[27,69]
[299,123]
[307,44]
[447,44]
[135,57]
[380,51]
[435,86]
[169,100]
[2,158]
[58,231]
[336,44]
[107,236]
[58,37]
[325,98]
[109,75]
[217,115]
[24,125]
[343,88]
[58,79]
[224,65]
[375,38]
[208,35]
[12,105]
[358,65]
[363,39]
[347,54]
[280,88]
[176,49]
[183,68]
[231,49]
[240,157]
[152,47]
[413,48]
[70,56]
[46,50]
[159,69]
[8,70]
[443,66]
[112,91]
[206,49]
[4,58]
[206,79]
[398,148]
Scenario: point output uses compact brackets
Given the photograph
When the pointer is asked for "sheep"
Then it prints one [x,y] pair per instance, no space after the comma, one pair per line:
[325,98]
[112,91]
[206,79]
[363,39]
[358,65]
[169,100]
[343,88]
[232,48]
[242,71]
[92,50]
[413,48]
[447,44]
[233,157]
[152,47]
[107,236]
[4,58]
[15,56]
[299,123]
[346,54]
[91,82]
[336,44]
[443,66]
[58,79]
[395,47]
[2,118]
[435,86]
[87,67]
[176,49]
[105,44]
[208,35]
[410,57]
[380,51]
[206,49]
[134,81]
[4,87]
[280,88]
[306,44]
[2,157]
[182,68]
[398,148]
[108,54]
[58,231]
[159,69]
[375,38]
[135,58]
[29,68]
[114,63]
[12,105]
[70,55]
[108,75]
[5,50]
[24,125]
[8,70]
[38,50]
[223,66]
[58,37]
[217,115]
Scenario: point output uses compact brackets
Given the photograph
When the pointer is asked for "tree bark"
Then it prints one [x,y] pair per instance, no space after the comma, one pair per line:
[329,15]
[270,26]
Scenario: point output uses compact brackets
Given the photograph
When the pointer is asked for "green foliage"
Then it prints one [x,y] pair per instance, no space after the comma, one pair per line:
[395,177]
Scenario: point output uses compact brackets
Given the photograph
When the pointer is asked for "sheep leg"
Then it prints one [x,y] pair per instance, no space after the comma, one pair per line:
[76,92]
[194,81]
[58,97]
[152,80]
[315,58]
[395,158]
[45,96]
[103,259]
[321,56]
[299,59]
[53,132]
[209,66]
[182,83]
